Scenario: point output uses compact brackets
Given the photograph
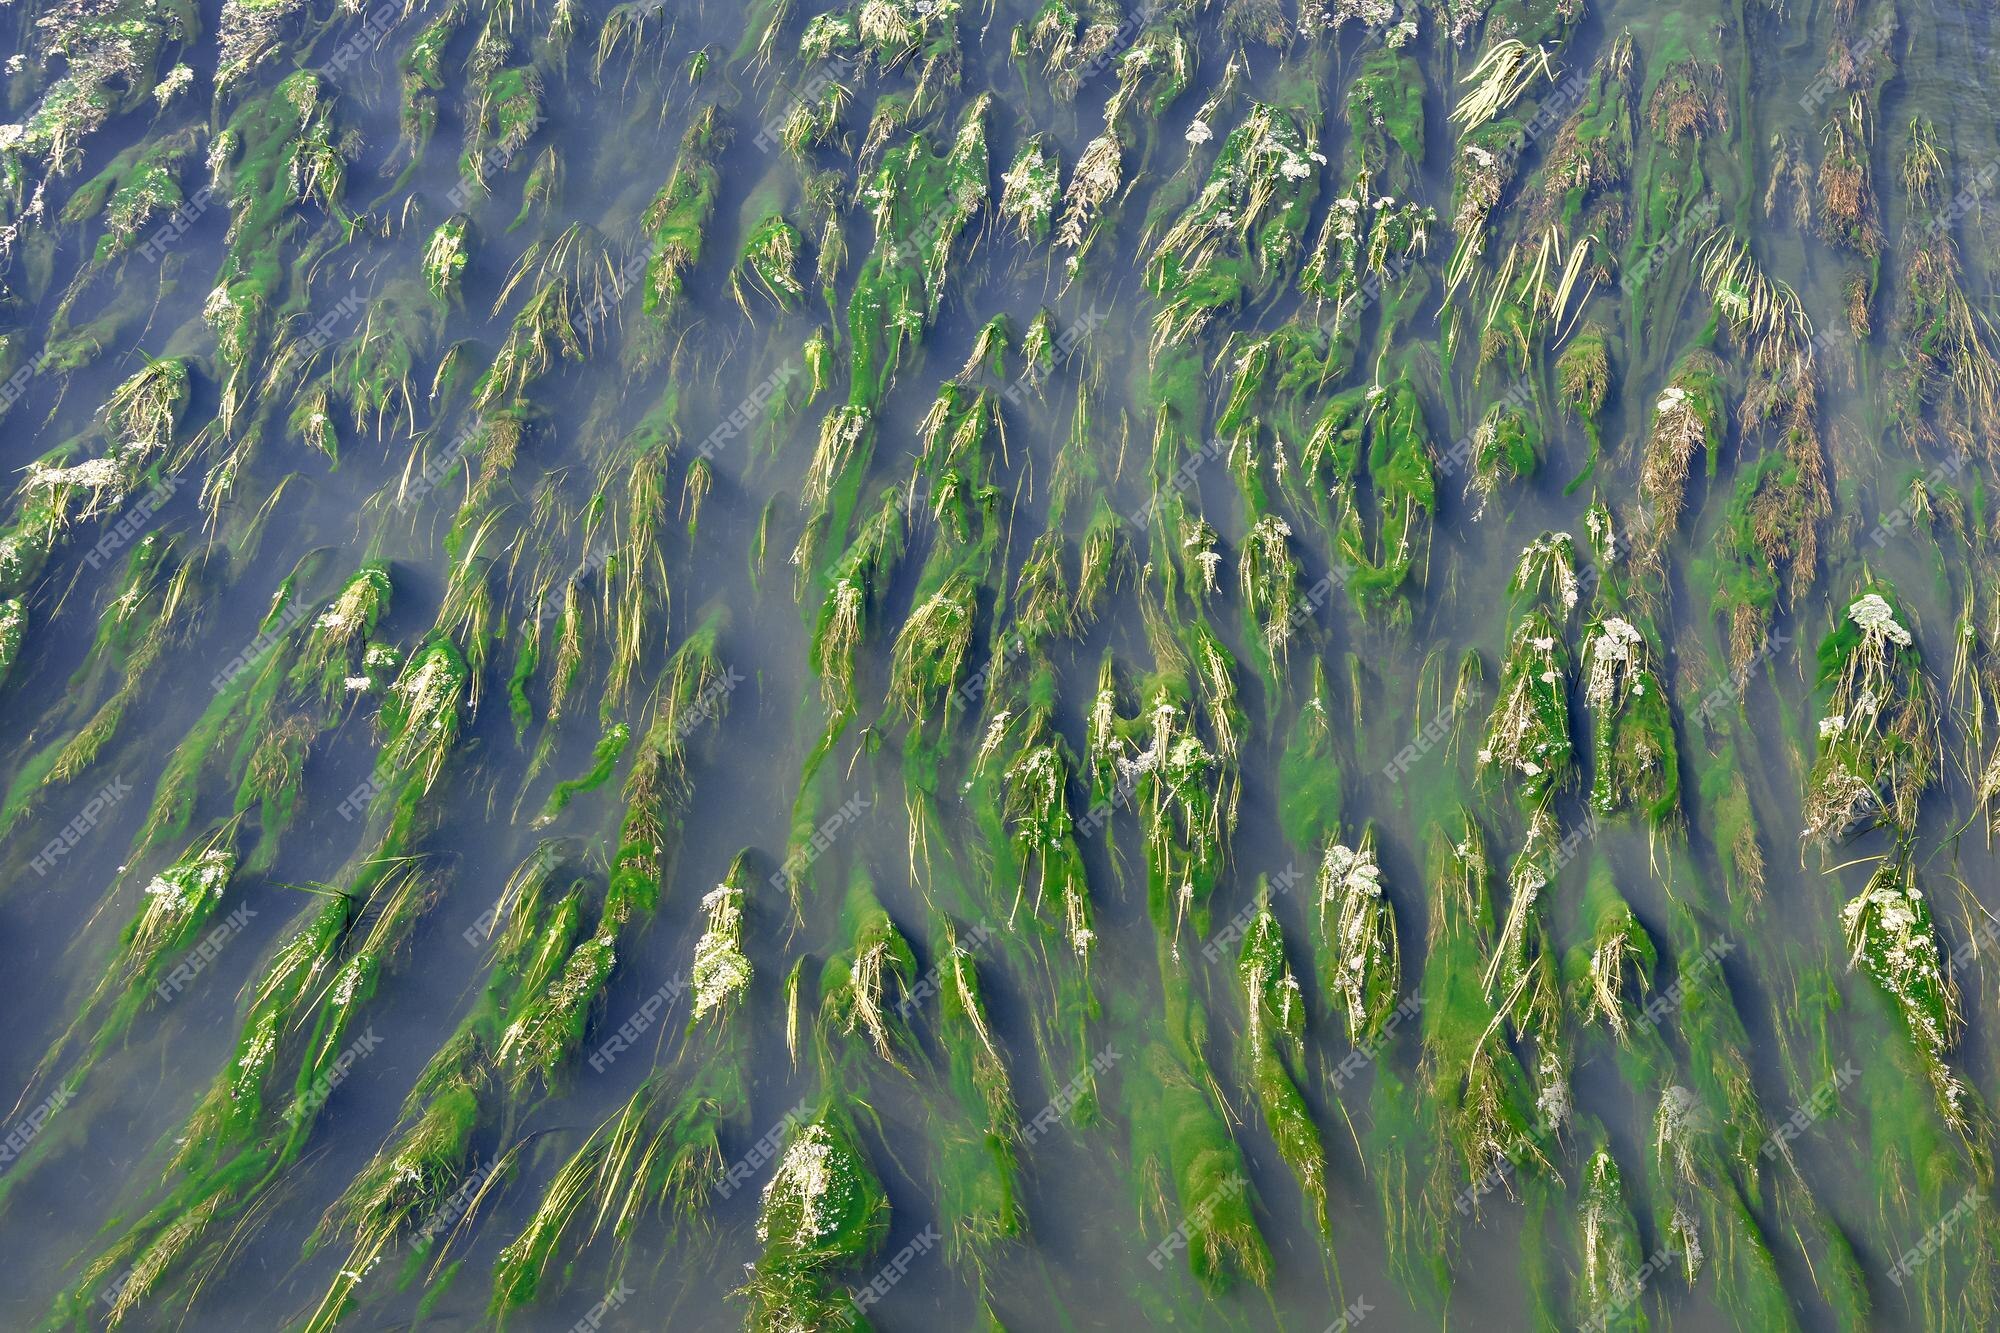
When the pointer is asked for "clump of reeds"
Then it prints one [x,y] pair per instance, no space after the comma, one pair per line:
[1688,102]
[1031,189]
[1847,202]
[1241,231]
[1043,834]
[769,263]
[1363,965]
[1636,761]
[1191,1172]
[822,1213]
[334,660]
[1755,304]
[1890,936]
[1878,745]
[1501,76]
[677,218]
[1073,40]
[1950,371]
[1688,418]
[861,987]
[1378,433]
[416,1190]
[1506,446]
[721,972]
[1274,1046]
[931,649]
[980,1171]
[1269,575]
[424,709]
[1528,733]
[1481,1091]
[573,283]
[1610,1281]
[1615,965]
[843,614]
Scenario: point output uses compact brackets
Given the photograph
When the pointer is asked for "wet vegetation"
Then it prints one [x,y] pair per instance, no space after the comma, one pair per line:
[1052,663]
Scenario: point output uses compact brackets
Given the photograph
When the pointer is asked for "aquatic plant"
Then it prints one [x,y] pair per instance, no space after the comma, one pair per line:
[230,263]
[1363,959]
[1877,746]
[823,1212]
[1528,734]
[1274,1043]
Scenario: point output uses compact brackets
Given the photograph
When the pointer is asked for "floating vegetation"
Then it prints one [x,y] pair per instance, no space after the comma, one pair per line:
[1528,736]
[1018,820]
[1877,747]
[823,1213]
[1275,1042]
[1363,962]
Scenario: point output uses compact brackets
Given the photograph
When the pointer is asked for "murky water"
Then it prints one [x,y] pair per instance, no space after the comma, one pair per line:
[1101,1244]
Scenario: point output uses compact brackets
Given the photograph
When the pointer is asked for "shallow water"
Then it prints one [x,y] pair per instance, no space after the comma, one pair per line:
[1086,1260]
